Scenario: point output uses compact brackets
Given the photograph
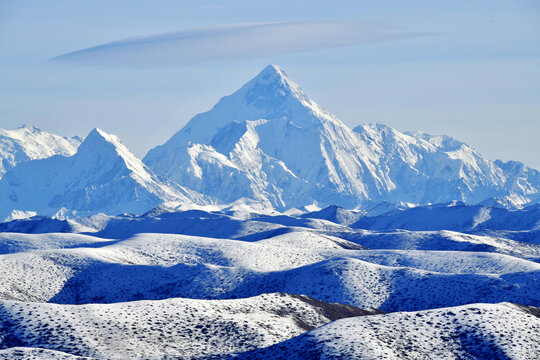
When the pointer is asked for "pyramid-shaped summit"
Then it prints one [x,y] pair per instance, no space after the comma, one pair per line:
[274,95]
[268,143]
[270,95]
[270,88]
[102,176]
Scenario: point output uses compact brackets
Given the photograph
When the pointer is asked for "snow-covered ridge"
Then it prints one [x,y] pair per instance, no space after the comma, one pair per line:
[30,143]
[81,268]
[475,331]
[172,328]
[453,216]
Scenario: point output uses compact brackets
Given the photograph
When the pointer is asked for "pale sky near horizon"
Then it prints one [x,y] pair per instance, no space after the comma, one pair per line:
[466,69]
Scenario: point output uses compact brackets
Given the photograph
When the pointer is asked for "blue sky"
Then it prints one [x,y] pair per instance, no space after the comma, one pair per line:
[467,69]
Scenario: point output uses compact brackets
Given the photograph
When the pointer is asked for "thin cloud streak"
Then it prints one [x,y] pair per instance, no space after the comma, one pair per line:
[231,42]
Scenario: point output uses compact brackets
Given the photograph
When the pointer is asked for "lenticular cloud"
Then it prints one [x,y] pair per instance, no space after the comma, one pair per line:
[230,42]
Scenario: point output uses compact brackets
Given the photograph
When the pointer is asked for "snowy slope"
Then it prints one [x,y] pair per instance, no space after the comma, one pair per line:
[253,227]
[82,293]
[294,230]
[448,241]
[31,353]
[31,143]
[11,243]
[436,169]
[268,143]
[102,176]
[173,328]
[476,331]
[42,224]
[244,226]
[159,266]
[454,216]
[281,252]
[335,214]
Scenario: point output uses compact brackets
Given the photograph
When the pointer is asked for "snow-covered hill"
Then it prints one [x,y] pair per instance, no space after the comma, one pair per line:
[269,143]
[102,176]
[173,328]
[454,216]
[249,226]
[80,269]
[69,294]
[335,214]
[476,331]
[32,353]
[31,143]
[43,224]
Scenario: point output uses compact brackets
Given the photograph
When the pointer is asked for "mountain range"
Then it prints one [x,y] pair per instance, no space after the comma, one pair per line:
[266,146]
[269,142]
[266,229]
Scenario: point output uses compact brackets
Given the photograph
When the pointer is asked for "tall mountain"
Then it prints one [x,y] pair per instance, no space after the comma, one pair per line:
[102,176]
[437,169]
[31,143]
[269,143]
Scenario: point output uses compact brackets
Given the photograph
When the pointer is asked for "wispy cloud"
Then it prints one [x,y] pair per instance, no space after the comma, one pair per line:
[231,42]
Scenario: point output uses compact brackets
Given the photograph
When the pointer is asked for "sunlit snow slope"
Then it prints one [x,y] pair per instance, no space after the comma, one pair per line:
[173,328]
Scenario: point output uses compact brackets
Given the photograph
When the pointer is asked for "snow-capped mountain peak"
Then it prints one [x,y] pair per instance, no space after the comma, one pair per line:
[272,83]
[270,95]
[266,145]
[277,94]
[273,74]
[30,143]
[108,147]
[98,136]
[102,176]
[111,156]
[98,141]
